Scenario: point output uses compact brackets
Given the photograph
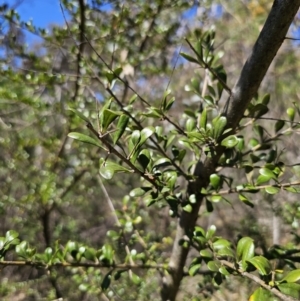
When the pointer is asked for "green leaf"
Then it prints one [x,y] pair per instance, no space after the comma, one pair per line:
[213,266]
[189,58]
[219,124]
[203,119]
[267,172]
[10,235]
[245,200]
[272,190]
[133,99]
[292,276]
[190,124]
[79,114]
[245,250]
[85,138]
[216,198]
[145,134]
[161,162]
[224,271]
[291,113]
[221,243]
[144,158]
[135,279]
[107,254]
[169,104]
[188,208]
[230,141]
[266,99]
[279,125]
[262,179]
[209,206]
[135,137]
[290,289]
[109,168]
[261,264]
[194,269]
[206,253]
[106,118]
[215,181]
[227,252]
[106,281]
[211,231]
[261,294]
[121,126]
[140,191]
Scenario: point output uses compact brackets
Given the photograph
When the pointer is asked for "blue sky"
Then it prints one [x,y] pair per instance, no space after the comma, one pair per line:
[43,12]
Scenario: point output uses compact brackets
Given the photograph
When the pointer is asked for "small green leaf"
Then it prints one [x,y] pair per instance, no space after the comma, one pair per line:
[106,281]
[245,200]
[266,99]
[209,206]
[135,279]
[10,235]
[216,198]
[194,269]
[262,179]
[169,104]
[144,158]
[227,252]
[261,294]
[267,172]
[224,271]
[291,113]
[121,126]
[211,231]
[189,58]
[85,138]
[245,250]
[221,243]
[188,208]
[213,266]
[292,276]
[203,119]
[290,289]
[206,253]
[79,114]
[190,124]
[109,168]
[219,124]
[145,134]
[261,264]
[279,125]
[133,99]
[161,162]
[272,190]
[135,137]
[230,141]
[107,117]
[140,191]
[215,181]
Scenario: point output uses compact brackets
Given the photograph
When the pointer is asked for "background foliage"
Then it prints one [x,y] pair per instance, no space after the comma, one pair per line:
[97,220]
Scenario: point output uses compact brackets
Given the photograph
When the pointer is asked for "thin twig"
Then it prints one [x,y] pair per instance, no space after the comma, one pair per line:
[206,66]
[112,150]
[259,281]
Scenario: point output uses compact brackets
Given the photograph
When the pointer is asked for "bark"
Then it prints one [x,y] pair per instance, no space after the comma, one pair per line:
[269,41]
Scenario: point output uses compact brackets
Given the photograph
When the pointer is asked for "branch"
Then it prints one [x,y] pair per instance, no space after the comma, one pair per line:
[81,264]
[246,189]
[269,41]
[256,279]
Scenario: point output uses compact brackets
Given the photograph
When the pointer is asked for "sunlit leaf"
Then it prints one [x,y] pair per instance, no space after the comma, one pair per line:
[85,138]
[261,264]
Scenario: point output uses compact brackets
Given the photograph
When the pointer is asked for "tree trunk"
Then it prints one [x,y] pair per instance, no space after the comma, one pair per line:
[269,41]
